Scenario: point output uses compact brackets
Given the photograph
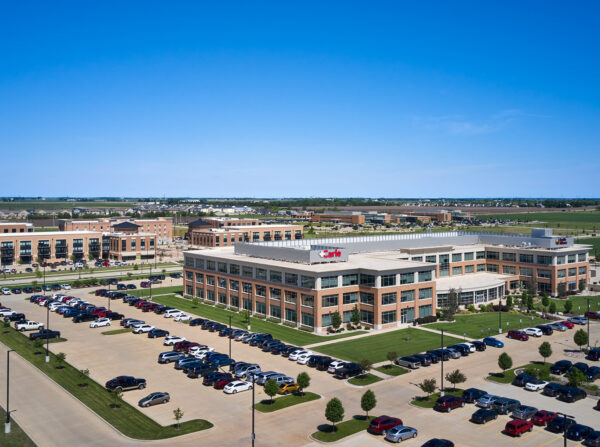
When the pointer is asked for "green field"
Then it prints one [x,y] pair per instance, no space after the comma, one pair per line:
[156,291]
[283,333]
[375,347]
[569,219]
[594,242]
[17,437]
[579,304]
[58,205]
[476,325]
[285,401]
[365,379]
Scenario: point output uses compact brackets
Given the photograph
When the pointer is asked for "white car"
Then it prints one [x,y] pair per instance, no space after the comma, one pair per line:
[170,340]
[533,331]
[182,317]
[294,356]
[335,365]
[536,385]
[5,291]
[236,386]
[172,313]
[100,322]
[65,286]
[142,328]
[79,265]
[6,312]
[200,354]
[471,346]
[303,358]
[198,349]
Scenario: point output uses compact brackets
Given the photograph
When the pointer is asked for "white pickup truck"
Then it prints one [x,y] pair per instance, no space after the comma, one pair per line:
[28,325]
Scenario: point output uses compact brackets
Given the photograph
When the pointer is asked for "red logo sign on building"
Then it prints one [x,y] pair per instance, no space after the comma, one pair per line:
[330,253]
[561,241]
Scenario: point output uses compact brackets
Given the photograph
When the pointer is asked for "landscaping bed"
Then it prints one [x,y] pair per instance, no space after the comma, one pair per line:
[474,324]
[392,370]
[326,433]
[429,402]
[285,401]
[364,379]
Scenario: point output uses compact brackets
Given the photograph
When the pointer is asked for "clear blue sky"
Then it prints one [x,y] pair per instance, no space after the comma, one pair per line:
[288,99]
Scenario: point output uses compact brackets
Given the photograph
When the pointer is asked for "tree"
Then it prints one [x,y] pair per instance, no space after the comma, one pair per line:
[580,338]
[576,377]
[195,301]
[118,394]
[178,415]
[552,308]
[568,306]
[545,301]
[562,289]
[428,386]
[366,365]
[509,301]
[505,362]
[529,302]
[545,350]
[336,320]
[355,318]
[368,402]
[451,306]
[391,356]
[60,360]
[334,412]
[85,373]
[455,377]
[271,388]
[303,381]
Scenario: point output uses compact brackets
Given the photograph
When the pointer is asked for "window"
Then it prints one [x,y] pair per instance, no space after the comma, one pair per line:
[481,267]
[456,257]
[210,295]
[407,315]
[350,298]
[132,244]
[247,271]
[431,258]
[367,280]
[493,268]
[524,271]
[388,298]
[223,298]
[573,271]
[210,280]
[388,317]
[275,276]
[510,257]
[481,255]
[275,311]
[222,267]
[200,292]
[199,278]
[547,274]
[581,257]
[560,260]
[425,311]
[417,258]
[329,301]
[456,271]
[189,276]
[275,293]
[425,294]
[291,315]
[326,320]
[388,280]
[261,274]
[509,270]
[582,270]
[367,298]
[308,282]
[222,283]
[189,290]
[261,290]
[469,269]
[261,308]
[210,265]
[366,316]
[234,285]
[247,303]
[544,260]
[347,316]
[469,256]
[492,255]
[562,273]
[308,319]
[291,297]
[124,245]
[247,287]
[571,259]
[328,282]
[307,300]
[425,276]
[407,295]
[350,280]
[234,269]
[291,279]
[407,278]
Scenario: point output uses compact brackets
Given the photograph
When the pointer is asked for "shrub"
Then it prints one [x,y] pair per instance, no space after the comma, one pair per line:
[428,386]
[505,362]
[427,319]
[306,329]
[471,308]
[289,324]
[274,320]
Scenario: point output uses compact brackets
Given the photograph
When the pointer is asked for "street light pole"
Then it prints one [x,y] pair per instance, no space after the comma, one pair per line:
[565,416]
[442,375]
[252,436]
[588,323]
[229,336]
[150,283]
[500,315]
[47,327]
[7,424]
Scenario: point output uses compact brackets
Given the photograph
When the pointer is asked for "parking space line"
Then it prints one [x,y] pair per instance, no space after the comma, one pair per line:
[556,437]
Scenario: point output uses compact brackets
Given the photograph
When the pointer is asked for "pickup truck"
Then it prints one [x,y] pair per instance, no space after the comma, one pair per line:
[44,334]
[28,325]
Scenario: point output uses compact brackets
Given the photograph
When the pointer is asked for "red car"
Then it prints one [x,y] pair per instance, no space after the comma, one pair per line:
[220,384]
[380,425]
[592,315]
[182,345]
[447,403]
[568,324]
[191,345]
[145,284]
[542,417]
[99,292]
[140,303]
[517,427]
[597,407]
[147,307]
[106,264]
[517,335]
[98,310]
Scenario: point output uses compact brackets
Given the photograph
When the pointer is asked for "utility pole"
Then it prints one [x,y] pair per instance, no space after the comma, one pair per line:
[7,424]
[252,436]
[229,336]
[442,378]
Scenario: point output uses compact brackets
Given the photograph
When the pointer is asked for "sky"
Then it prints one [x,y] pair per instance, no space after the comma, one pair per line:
[300,99]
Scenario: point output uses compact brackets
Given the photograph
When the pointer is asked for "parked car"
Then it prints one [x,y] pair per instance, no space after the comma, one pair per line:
[522,379]
[448,403]
[479,345]
[535,385]
[524,412]
[400,433]
[546,329]
[348,370]
[542,417]
[142,328]
[504,405]
[243,371]
[568,324]
[426,359]
[172,339]
[154,399]
[578,432]
[560,367]
[408,362]
[533,331]
[237,386]
[381,424]
[44,334]
[517,335]
[170,356]
[470,395]
[517,427]
[436,442]
[287,388]
[335,365]
[552,389]
[125,383]
[491,341]
[559,424]
[220,383]
[593,373]
[483,415]
[578,320]
[464,350]
[593,354]
[100,322]
[558,327]
[581,366]
[486,401]
[571,394]
[155,333]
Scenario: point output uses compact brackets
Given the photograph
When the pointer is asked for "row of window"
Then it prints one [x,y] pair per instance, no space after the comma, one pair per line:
[369,298]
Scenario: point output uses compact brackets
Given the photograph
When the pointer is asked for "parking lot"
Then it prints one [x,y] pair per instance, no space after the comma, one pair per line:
[107,356]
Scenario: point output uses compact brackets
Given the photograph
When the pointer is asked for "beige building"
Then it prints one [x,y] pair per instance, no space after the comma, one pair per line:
[223,237]
[161,226]
[16,227]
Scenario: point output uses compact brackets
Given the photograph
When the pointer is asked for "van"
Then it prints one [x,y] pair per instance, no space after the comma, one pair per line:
[170,356]
[79,265]
[172,312]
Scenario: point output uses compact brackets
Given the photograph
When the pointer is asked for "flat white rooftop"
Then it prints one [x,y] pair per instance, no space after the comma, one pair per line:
[471,281]
[56,234]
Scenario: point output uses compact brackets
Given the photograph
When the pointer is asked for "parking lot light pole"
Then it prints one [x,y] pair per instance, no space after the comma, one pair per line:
[588,322]
[565,416]
[252,436]
[230,337]
[442,376]
[108,295]
[500,315]
[47,327]
[7,424]
[150,283]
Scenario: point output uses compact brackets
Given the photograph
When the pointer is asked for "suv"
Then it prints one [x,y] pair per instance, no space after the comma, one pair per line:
[517,427]
[447,403]
[380,425]
[561,367]
[125,383]
[505,405]
[546,329]
[517,335]
[559,424]
[348,370]
[170,356]
[571,394]
[524,412]
[472,394]
[408,362]
[552,389]
[522,379]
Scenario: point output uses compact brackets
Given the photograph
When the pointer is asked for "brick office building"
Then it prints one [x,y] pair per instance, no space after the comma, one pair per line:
[161,226]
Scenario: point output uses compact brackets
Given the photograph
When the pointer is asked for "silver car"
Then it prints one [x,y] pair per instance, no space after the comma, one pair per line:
[154,399]
[487,400]
[558,327]
[524,412]
[454,353]
[401,433]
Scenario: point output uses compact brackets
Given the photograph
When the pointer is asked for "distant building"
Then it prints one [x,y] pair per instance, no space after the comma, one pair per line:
[162,227]
[16,227]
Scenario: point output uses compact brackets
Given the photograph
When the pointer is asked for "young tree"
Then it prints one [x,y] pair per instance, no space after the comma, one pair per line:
[271,388]
[545,301]
[391,356]
[509,301]
[368,402]
[60,360]
[451,305]
[366,365]
[505,362]
[455,377]
[118,395]
[562,289]
[545,350]
[84,373]
[336,320]
[303,381]
[576,377]
[428,386]
[529,302]
[552,308]
[195,301]
[580,338]
[334,412]
[355,318]
[178,415]
[568,306]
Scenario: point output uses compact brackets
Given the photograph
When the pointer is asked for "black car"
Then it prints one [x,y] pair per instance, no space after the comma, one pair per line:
[558,424]
[121,287]
[155,333]
[436,442]
[134,301]
[571,394]
[349,370]
[216,327]
[125,383]
[578,432]
[84,317]
[15,317]
[27,289]
[424,359]
[552,389]
[161,309]
[546,329]
[593,439]
[195,321]
[210,378]
[441,353]
[470,395]
[593,354]
[114,315]
[289,350]
[463,349]
[593,373]
[479,345]
[44,334]
[560,367]
[201,370]
[522,379]
[314,359]
[583,367]
[323,363]
[225,332]
[276,349]
[484,415]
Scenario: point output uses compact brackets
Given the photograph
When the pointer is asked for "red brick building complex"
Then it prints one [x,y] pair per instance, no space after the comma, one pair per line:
[391,279]
[161,226]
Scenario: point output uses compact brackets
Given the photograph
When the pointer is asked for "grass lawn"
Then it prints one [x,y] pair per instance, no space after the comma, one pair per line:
[473,324]
[392,370]
[285,401]
[579,304]
[117,331]
[283,333]
[343,429]
[155,291]
[429,402]
[17,437]
[127,419]
[365,379]
[375,347]
[509,374]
